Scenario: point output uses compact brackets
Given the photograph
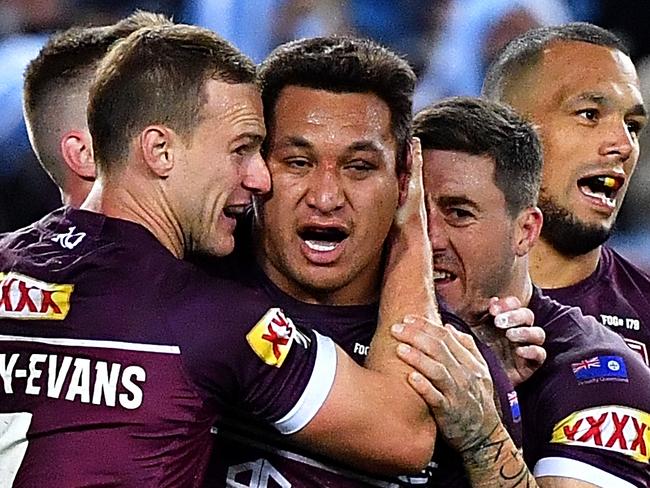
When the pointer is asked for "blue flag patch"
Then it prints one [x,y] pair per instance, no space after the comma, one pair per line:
[600,368]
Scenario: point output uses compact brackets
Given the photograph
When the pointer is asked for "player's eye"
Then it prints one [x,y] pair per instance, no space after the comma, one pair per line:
[297,163]
[634,126]
[590,114]
[459,216]
[359,166]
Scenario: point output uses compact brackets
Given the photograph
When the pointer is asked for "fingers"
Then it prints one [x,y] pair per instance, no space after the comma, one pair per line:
[413,202]
[467,341]
[515,318]
[498,305]
[445,356]
[435,372]
[526,335]
[425,342]
[508,312]
[426,390]
[534,354]
[416,162]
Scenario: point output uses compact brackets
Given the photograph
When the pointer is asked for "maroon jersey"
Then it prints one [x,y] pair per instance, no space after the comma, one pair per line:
[618,295]
[248,454]
[116,358]
[586,411]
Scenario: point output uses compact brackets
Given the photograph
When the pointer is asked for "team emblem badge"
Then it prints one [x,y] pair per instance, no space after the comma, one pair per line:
[271,338]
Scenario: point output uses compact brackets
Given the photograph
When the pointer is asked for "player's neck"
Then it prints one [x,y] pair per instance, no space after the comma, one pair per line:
[552,269]
[75,192]
[124,201]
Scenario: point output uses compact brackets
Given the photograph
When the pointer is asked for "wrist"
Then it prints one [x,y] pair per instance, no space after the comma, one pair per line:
[487,447]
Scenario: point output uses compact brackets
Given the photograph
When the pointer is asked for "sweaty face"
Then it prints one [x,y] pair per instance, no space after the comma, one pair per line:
[223,166]
[586,104]
[471,232]
[335,191]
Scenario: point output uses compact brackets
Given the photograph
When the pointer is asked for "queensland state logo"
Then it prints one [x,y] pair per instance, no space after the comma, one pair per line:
[22,297]
[272,336]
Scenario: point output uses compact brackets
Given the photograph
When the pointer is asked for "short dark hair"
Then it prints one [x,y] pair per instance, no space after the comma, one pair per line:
[343,65]
[525,51]
[66,64]
[157,75]
[483,127]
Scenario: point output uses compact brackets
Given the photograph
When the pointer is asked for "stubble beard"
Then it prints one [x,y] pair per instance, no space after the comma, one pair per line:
[566,233]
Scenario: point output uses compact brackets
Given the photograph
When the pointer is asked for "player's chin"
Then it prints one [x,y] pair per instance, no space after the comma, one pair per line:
[221,243]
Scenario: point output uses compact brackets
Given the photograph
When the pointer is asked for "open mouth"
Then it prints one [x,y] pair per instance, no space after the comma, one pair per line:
[237,211]
[441,276]
[323,239]
[602,187]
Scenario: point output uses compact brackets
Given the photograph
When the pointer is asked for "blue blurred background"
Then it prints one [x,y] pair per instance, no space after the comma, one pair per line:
[449,43]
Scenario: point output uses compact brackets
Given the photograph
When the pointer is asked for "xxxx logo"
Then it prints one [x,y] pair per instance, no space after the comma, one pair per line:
[614,428]
[22,297]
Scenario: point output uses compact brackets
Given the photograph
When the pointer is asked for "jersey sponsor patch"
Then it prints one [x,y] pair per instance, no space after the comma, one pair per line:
[600,368]
[271,338]
[613,428]
[22,297]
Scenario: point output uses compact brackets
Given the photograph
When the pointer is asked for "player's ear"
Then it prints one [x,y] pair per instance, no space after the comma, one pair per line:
[158,145]
[527,229]
[77,152]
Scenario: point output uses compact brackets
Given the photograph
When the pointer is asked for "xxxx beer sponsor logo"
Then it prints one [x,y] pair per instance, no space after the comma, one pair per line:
[613,428]
[271,338]
[22,297]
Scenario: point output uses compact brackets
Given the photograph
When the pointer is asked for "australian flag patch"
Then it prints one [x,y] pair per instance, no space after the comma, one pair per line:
[600,368]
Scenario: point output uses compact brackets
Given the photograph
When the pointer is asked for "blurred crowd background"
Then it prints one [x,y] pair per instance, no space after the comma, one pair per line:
[448,42]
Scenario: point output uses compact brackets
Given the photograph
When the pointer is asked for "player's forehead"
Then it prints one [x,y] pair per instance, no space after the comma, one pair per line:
[569,69]
[321,116]
[452,176]
[236,106]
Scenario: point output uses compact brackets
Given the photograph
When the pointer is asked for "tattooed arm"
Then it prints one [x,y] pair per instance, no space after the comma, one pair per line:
[455,382]
[496,462]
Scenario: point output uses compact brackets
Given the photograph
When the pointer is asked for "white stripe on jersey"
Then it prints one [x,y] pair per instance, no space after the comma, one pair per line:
[570,468]
[64,341]
[319,386]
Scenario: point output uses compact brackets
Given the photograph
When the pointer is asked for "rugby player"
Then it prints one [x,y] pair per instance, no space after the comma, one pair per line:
[55,97]
[586,411]
[53,83]
[338,113]
[577,84]
[117,356]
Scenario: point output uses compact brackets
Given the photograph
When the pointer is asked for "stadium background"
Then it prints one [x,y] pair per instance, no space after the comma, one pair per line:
[449,43]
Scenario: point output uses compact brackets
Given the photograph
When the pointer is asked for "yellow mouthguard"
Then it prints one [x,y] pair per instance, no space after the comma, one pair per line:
[609,182]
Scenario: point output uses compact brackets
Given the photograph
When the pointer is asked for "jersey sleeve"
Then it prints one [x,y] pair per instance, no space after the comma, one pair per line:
[291,372]
[587,417]
[258,361]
